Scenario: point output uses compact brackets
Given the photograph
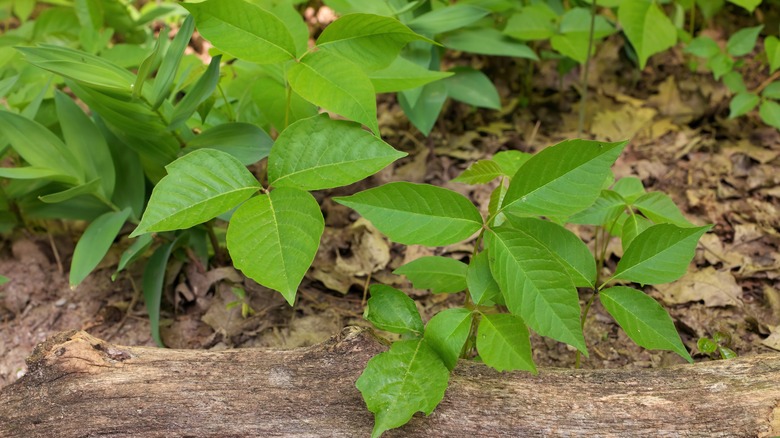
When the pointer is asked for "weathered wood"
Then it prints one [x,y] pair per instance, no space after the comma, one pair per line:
[78,385]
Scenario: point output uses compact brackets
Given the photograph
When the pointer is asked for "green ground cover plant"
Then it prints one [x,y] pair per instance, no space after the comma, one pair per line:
[166,143]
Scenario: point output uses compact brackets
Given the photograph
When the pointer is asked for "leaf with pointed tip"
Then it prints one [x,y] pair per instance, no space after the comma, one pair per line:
[403,74]
[89,188]
[439,274]
[243,30]
[562,179]
[659,208]
[273,238]
[418,214]
[482,286]
[153,281]
[95,243]
[535,285]
[481,172]
[199,186]
[424,112]
[504,344]
[633,226]
[320,153]
[335,84]
[447,332]
[198,93]
[487,41]
[647,28]
[245,141]
[409,377]
[660,254]
[374,40]
[451,17]
[643,320]
[161,88]
[472,87]
[564,245]
[391,310]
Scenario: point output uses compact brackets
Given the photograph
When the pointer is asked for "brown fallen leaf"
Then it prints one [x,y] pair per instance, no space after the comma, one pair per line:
[715,288]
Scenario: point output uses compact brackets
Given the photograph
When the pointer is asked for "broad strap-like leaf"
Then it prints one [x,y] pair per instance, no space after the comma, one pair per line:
[660,254]
[374,40]
[89,188]
[535,285]
[417,214]
[503,343]
[273,238]
[409,377]
[566,247]
[94,244]
[39,147]
[153,281]
[133,252]
[199,186]
[647,27]
[439,274]
[86,143]
[335,84]
[199,92]
[243,30]
[472,87]
[450,17]
[487,41]
[245,141]
[562,179]
[643,319]
[85,68]
[403,74]
[447,332]
[163,81]
[320,153]
[482,286]
[391,310]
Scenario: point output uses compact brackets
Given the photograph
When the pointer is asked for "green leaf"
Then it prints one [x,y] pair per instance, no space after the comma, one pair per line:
[417,214]
[150,62]
[772,48]
[577,22]
[86,143]
[659,208]
[373,41]
[199,92]
[661,254]
[629,188]
[286,11]
[32,172]
[647,27]
[344,7]
[439,274]
[487,41]
[403,74]
[133,253]
[511,161]
[743,41]
[721,65]
[472,87]
[750,5]
[39,147]
[391,310]
[632,227]
[770,113]
[706,345]
[243,30]
[335,84]
[643,320]
[321,153]
[89,188]
[83,67]
[532,23]
[161,88]
[482,286]
[94,244]
[448,18]
[703,47]
[772,91]
[273,238]
[562,179]
[481,172]
[199,186]
[4,279]
[535,285]
[503,343]
[424,113]
[447,332]
[409,377]
[565,246]
[244,141]
[153,282]
[573,45]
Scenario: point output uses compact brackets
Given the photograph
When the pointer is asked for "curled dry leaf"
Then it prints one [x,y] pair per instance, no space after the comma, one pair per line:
[715,288]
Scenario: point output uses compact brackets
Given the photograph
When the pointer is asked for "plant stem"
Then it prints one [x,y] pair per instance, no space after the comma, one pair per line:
[584,99]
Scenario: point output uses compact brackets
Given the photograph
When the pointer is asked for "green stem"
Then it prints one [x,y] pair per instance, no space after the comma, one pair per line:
[231,114]
[584,99]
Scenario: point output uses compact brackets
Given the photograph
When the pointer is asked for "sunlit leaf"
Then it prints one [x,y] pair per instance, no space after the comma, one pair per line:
[403,74]
[198,93]
[503,343]
[451,17]
[439,274]
[647,27]
[246,142]
[95,243]
[743,41]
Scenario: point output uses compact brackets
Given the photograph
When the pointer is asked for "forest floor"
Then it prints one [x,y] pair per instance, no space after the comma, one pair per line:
[718,170]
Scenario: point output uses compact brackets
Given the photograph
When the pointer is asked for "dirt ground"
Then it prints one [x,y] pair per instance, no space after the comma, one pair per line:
[719,171]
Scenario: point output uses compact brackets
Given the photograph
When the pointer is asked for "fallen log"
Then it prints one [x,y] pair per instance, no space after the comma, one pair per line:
[78,385]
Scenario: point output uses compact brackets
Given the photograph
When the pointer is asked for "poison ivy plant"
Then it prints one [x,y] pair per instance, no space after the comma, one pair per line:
[527,270]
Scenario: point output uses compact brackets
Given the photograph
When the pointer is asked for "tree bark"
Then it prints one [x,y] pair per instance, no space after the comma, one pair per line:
[78,385]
